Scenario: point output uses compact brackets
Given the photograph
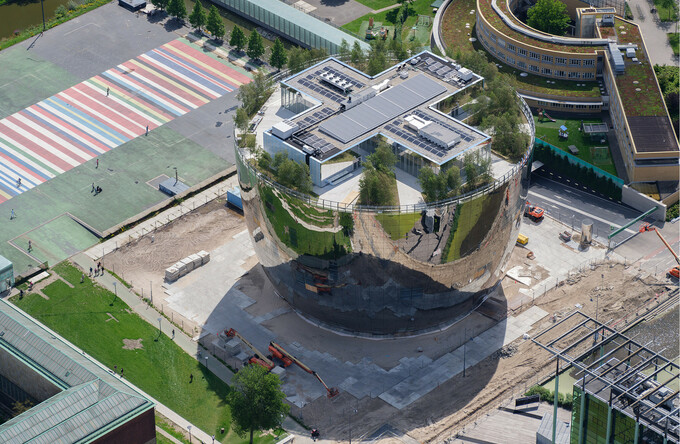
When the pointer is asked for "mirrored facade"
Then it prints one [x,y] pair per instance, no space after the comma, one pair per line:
[379,272]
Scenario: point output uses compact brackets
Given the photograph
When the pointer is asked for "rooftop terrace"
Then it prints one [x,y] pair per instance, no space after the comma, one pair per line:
[351,107]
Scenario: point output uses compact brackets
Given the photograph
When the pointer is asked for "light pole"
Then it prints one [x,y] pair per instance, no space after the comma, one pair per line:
[189,429]
[350,425]
[176,180]
[206,362]
[42,8]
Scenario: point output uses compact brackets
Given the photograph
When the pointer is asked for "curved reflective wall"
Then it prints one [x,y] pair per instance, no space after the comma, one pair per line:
[383,273]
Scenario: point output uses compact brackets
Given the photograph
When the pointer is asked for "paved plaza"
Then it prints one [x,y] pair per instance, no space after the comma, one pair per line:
[75,104]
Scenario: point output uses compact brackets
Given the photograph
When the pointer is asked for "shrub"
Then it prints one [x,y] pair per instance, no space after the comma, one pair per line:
[547,395]
[71,5]
[61,11]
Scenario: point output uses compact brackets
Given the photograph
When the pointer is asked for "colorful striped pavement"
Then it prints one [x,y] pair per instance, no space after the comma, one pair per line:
[101,113]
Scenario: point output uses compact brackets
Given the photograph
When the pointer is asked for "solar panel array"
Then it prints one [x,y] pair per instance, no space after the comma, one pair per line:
[463,135]
[355,83]
[319,145]
[416,141]
[374,112]
[315,118]
[311,83]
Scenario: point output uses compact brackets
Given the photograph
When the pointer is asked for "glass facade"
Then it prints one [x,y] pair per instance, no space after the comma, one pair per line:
[595,424]
[383,271]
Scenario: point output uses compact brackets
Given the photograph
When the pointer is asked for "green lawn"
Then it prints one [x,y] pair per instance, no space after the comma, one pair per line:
[324,244]
[347,156]
[548,131]
[674,40]
[397,225]
[666,14]
[377,4]
[94,320]
[420,7]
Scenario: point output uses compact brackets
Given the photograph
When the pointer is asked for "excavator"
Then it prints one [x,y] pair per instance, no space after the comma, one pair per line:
[332,391]
[675,271]
[258,358]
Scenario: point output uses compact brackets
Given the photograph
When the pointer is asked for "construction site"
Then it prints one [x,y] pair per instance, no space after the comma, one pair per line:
[429,387]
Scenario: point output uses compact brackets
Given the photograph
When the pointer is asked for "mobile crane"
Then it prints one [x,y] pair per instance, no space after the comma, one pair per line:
[332,391]
[258,358]
[675,271]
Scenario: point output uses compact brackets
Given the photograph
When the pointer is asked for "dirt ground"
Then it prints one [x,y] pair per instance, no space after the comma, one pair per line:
[142,263]
[437,416]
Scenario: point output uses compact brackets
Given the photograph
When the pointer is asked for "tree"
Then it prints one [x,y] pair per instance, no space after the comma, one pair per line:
[357,56]
[198,18]
[238,39]
[253,95]
[377,57]
[470,171]
[344,51]
[296,59]
[432,185]
[372,187]
[215,25]
[256,401]
[160,4]
[669,5]
[255,45]
[241,119]
[278,57]
[453,179]
[383,158]
[549,16]
[177,9]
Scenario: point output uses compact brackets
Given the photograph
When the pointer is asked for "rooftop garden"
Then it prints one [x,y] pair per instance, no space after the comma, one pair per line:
[606,31]
[637,87]
[556,87]
[495,20]
[453,30]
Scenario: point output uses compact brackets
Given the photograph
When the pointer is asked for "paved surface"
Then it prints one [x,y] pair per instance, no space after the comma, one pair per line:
[570,205]
[338,12]
[654,32]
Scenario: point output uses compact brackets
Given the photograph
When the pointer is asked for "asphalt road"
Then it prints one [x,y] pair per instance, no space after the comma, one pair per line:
[571,206]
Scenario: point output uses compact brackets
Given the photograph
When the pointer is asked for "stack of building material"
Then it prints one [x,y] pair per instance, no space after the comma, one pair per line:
[186,265]
[171,274]
[205,256]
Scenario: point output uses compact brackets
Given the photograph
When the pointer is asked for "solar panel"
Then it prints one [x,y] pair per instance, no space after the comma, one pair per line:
[344,77]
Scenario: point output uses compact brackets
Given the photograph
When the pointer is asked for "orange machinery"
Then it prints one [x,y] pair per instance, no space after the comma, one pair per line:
[332,391]
[258,358]
[675,271]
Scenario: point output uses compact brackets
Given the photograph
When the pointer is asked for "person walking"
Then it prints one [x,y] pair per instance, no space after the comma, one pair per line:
[147,130]
[12,215]
[97,166]
[173,333]
[107,91]
[30,246]
[19,182]
[92,188]
[90,275]
[82,277]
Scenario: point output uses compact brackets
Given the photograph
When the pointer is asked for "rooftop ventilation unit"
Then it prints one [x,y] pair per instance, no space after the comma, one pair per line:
[335,81]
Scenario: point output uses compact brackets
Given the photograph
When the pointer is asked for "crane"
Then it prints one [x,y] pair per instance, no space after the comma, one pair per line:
[675,271]
[258,358]
[332,391]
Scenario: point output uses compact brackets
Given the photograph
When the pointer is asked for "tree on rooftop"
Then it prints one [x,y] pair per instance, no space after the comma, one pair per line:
[254,94]
[357,57]
[237,39]
[549,16]
[256,401]
[198,17]
[177,9]
[255,45]
[160,4]
[344,51]
[215,25]
[278,57]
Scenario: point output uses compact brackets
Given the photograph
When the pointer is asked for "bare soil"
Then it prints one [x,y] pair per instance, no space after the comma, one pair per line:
[142,263]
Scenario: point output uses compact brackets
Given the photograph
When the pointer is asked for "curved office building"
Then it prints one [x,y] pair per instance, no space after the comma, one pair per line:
[380,270]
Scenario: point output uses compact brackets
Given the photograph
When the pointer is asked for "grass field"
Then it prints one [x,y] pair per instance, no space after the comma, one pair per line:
[420,7]
[666,14]
[548,131]
[377,4]
[94,320]
[397,225]
[674,40]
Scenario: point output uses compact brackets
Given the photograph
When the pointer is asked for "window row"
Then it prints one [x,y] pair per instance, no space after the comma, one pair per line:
[569,105]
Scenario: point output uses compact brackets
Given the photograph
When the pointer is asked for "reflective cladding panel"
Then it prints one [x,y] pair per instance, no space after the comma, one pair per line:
[382,273]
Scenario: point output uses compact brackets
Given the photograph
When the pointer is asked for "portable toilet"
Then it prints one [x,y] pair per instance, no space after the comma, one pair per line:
[6,274]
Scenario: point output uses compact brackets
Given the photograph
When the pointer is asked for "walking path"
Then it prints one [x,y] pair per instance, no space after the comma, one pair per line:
[150,314]
[654,31]
[152,224]
[386,8]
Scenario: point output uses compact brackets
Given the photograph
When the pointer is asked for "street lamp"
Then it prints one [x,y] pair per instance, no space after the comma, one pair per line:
[175,168]
[189,429]
[350,425]
[42,8]
[206,362]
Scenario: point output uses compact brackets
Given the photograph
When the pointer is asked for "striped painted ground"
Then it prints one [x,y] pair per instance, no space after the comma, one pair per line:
[82,122]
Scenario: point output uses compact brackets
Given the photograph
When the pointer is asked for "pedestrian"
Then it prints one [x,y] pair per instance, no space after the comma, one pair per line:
[107,91]
[147,130]
[213,438]
[92,188]
[30,246]
[97,166]
[12,215]
[90,272]
[173,333]
[121,372]
[19,182]
[21,294]
[115,369]
[153,238]
[191,378]
[82,277]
